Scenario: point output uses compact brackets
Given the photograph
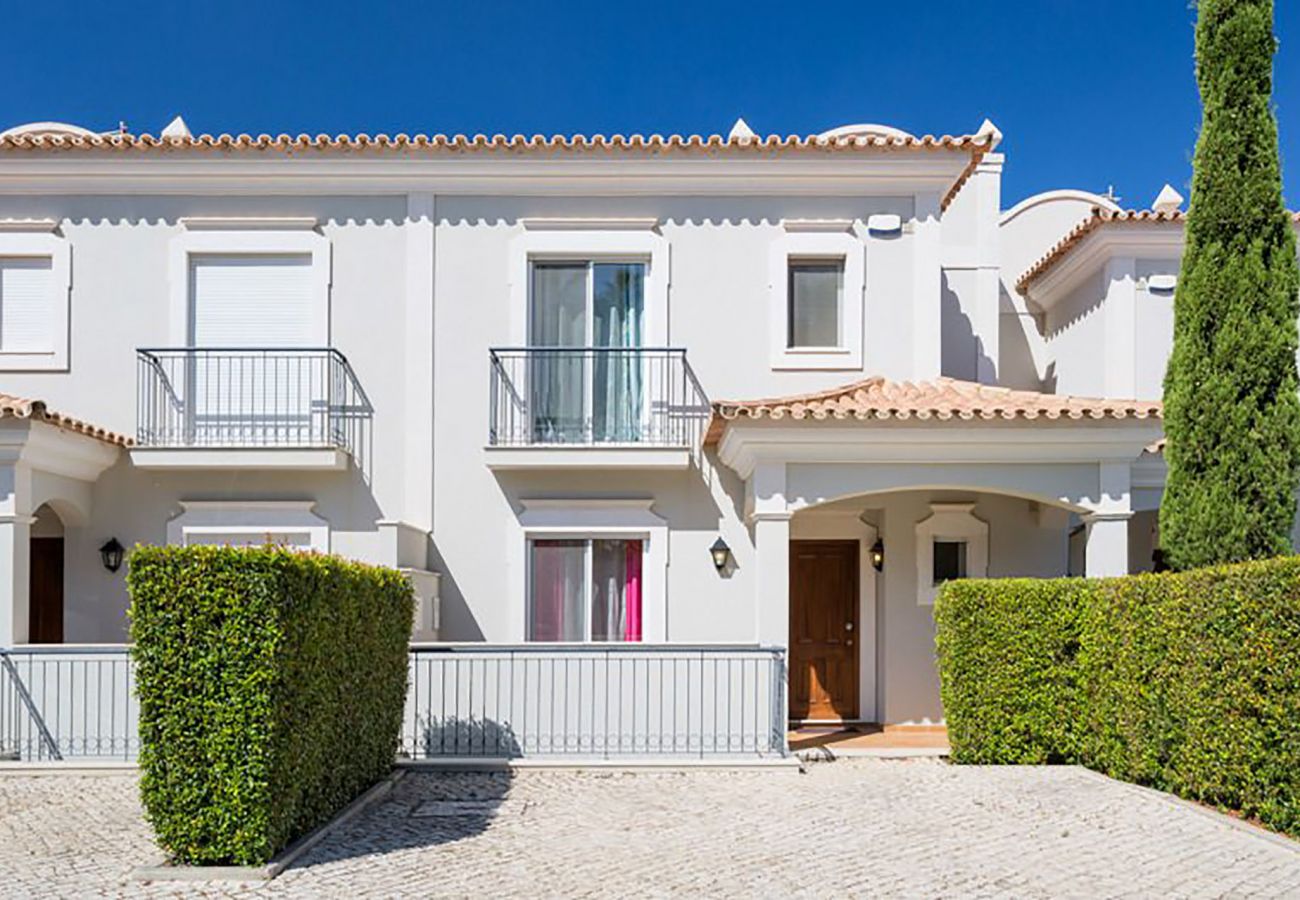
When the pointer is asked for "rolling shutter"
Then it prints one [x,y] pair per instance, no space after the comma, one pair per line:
[252,301]
[26,305]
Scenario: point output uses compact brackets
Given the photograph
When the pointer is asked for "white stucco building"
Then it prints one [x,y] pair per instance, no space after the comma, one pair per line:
[685,390]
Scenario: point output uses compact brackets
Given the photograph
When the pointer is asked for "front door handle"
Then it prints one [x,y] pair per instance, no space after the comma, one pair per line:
[848,626]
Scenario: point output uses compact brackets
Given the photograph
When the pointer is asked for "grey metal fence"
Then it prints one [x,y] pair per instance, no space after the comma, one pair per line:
[250,397]
[68,703]
[547,396]
[618,700]
[77,703]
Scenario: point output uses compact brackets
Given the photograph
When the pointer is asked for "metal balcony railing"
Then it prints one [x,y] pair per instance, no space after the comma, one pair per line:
[595,396]
[250,398]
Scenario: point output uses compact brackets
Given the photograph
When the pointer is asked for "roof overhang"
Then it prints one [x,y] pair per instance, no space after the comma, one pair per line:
[1071,266]
[746,444]
[622,174]
[58,451]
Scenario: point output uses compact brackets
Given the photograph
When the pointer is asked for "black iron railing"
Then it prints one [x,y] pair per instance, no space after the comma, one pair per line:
[583,396]
[250,398]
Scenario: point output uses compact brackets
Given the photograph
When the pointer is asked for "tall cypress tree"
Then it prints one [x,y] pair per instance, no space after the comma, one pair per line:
[1232,413]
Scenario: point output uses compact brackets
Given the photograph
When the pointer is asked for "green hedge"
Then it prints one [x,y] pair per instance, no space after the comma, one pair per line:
[271,688]
[1187,682]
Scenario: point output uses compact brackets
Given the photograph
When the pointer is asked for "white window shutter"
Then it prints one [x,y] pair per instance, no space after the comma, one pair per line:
[252,301]
[26,305]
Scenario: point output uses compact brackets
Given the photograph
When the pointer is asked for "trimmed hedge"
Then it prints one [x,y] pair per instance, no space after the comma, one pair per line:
[271,688]
[1188,682]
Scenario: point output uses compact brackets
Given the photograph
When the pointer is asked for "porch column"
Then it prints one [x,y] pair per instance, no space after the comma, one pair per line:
[771,522]
[1106,544]
[1106,540]
[15,535]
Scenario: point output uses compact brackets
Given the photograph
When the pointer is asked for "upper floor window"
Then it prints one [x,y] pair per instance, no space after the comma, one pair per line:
[27,301]
[252,300]
[587,304]
[817,296]
[35,295]
[587,378]
[815,293]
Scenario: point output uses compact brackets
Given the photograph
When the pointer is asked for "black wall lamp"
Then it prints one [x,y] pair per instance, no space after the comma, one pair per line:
[111,554]
[721,553]
[878,555]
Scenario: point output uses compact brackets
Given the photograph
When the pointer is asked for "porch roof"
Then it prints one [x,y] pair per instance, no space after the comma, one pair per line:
[13,407]
[943,400]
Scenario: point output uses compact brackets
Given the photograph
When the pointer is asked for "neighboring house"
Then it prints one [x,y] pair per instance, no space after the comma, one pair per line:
[558,379]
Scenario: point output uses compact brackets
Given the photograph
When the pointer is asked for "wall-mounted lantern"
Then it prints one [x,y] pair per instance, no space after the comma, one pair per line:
[878,555]
[721,554]
[111,554]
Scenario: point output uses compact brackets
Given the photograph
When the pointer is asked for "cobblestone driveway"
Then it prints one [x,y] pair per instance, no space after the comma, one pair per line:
[913,828]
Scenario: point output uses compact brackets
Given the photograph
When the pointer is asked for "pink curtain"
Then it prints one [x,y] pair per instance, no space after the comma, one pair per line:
[632,630]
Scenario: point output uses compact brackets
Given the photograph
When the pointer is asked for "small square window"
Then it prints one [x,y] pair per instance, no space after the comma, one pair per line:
[949,561]
[815,289]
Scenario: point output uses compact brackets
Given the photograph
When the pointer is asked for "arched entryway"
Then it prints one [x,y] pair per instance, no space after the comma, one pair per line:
[864,570]
[45,574]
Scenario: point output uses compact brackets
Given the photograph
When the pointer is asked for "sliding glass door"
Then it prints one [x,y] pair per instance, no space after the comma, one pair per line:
[586,380]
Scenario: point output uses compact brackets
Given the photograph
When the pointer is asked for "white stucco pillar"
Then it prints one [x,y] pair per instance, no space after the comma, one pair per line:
[1106,540]
[987,184]
[771,521]
[927,293]
[1119,322]
[417,433]
[1106,545]
[15,534]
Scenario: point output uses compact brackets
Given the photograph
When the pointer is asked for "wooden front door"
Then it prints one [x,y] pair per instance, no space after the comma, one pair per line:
[823,629]
[45,622]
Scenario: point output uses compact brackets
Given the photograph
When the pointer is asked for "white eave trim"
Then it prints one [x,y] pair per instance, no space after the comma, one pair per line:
[590,223]
[848,174]
[10,225]
[744,446]
[48,448]
[1139,240]
[249,223]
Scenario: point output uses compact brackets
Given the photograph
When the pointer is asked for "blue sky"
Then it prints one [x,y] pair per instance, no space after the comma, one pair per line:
[1089,93]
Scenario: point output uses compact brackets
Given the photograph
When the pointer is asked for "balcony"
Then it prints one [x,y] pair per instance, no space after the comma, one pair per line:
[249,408]
[583,407]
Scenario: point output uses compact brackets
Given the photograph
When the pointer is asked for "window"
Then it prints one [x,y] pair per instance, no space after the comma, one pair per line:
[815,290]
[586,387]
[817,295]
[26,305]
[584,590]
[949,561]
[254,300]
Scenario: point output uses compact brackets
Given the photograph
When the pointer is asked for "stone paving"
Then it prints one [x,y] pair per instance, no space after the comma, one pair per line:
[862,827]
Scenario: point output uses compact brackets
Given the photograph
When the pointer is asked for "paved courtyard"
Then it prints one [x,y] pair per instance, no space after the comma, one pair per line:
[865,827]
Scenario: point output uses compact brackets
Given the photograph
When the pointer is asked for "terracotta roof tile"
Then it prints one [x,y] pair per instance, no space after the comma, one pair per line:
[518,142]
[23,408]
[944,399]
[1095,220]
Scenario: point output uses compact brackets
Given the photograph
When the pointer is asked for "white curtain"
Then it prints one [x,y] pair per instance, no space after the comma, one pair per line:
[618,300]
[556,384]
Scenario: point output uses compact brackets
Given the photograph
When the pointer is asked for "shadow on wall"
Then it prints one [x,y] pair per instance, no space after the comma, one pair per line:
[458,622]
[425,809]
[961,352]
